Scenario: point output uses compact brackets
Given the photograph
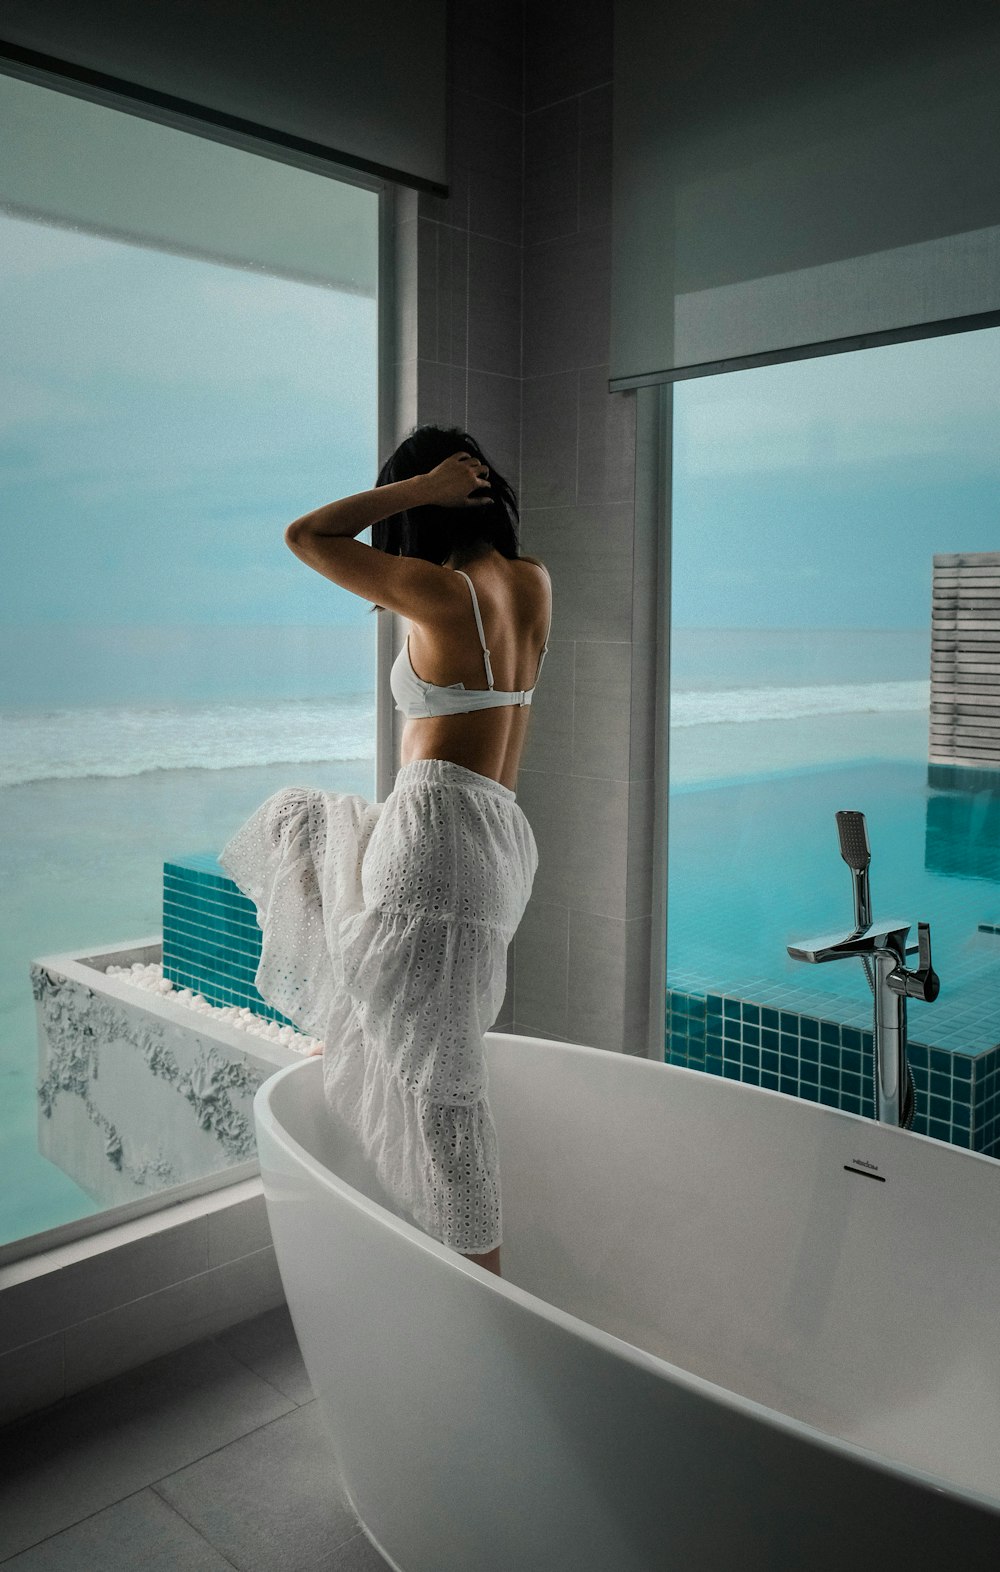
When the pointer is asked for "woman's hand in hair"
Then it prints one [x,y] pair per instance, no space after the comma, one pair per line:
[449,485]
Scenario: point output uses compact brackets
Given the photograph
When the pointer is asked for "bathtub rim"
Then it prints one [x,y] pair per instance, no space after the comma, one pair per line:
[585,1331]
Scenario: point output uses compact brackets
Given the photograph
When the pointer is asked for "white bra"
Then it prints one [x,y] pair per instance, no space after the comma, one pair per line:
[415,697]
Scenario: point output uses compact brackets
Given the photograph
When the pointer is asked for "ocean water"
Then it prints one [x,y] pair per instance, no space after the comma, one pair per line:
[712,659]
[746,706]
[94,798]
[108,742]
[750,703]
[165,753]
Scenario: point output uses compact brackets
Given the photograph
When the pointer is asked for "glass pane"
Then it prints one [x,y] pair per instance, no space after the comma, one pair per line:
[810,501]
[166,663]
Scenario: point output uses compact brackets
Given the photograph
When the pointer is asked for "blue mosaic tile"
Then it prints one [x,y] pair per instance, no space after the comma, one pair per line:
[211,938]
[957,1094]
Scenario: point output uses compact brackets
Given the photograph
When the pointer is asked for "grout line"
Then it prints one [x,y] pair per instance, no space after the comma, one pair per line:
[579,158]
[468,298]
[173,1507]
[481,234]
[572,708]
[524,139]
[583,775]
[565,371]
[454,365]
[576,474]
[233,1355]
[233,1440]
[107,1507]
[580,234]
[585,911]
[590,507]
[555,102]
[524,54]
[153,1484]
[437,288]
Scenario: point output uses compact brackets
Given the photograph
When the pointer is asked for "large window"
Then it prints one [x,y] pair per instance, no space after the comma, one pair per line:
[188,344]
[810,501]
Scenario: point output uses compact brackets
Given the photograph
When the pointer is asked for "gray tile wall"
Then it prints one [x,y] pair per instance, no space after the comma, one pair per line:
[504,329]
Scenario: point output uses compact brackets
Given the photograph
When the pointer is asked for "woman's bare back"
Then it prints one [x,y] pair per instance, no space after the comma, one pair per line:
[514,600]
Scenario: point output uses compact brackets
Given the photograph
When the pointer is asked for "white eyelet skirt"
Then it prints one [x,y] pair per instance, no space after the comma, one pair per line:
[385,933]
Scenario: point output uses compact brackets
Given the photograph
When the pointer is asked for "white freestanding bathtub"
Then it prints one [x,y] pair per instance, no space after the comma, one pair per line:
[735,1330]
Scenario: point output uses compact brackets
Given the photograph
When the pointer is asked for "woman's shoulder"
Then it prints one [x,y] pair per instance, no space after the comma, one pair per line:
[535,562]
[539,597]
[540,591]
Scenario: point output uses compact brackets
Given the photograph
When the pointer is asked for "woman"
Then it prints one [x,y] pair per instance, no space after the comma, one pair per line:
[386,925]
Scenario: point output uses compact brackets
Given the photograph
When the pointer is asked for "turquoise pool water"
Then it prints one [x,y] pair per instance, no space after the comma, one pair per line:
[756,865]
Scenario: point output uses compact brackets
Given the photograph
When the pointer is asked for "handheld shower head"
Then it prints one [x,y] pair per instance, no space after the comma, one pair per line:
[857,854]
[854,847]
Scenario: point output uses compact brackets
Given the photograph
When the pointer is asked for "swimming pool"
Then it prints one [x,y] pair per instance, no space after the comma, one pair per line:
[755,865]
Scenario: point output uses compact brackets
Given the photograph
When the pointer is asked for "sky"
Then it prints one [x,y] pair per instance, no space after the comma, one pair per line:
[816,494]
[163,418]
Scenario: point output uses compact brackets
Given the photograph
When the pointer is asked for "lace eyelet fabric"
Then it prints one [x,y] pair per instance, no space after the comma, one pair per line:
[385,929]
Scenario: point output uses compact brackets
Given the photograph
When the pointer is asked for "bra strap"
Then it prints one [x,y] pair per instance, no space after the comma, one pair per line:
[479,625]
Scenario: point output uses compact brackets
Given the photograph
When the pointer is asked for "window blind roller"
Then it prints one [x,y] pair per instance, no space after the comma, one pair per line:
[85,166]
[362,85]
[792,177]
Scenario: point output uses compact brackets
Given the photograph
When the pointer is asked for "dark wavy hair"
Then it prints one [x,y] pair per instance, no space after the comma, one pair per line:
[436,533]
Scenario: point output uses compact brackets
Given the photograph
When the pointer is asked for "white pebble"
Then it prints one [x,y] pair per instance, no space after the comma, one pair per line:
[150,976]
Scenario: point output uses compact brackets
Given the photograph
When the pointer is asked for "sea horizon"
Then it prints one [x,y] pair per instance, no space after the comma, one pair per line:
[734,677]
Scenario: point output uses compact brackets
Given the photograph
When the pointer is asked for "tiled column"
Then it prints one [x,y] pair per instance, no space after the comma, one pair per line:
[582,952]
[505,323]
[458,264]
[461,357]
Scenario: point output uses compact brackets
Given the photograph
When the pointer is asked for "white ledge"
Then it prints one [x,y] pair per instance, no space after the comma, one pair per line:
[96,1296]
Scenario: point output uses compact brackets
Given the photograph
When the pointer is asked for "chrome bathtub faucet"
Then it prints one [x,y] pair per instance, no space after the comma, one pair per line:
[884,944]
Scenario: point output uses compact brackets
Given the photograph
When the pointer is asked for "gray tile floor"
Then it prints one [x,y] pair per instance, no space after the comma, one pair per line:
[204,1460]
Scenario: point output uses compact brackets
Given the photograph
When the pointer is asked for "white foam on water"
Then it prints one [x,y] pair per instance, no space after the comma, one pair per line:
[115,740]
[744,705]
[112,740]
